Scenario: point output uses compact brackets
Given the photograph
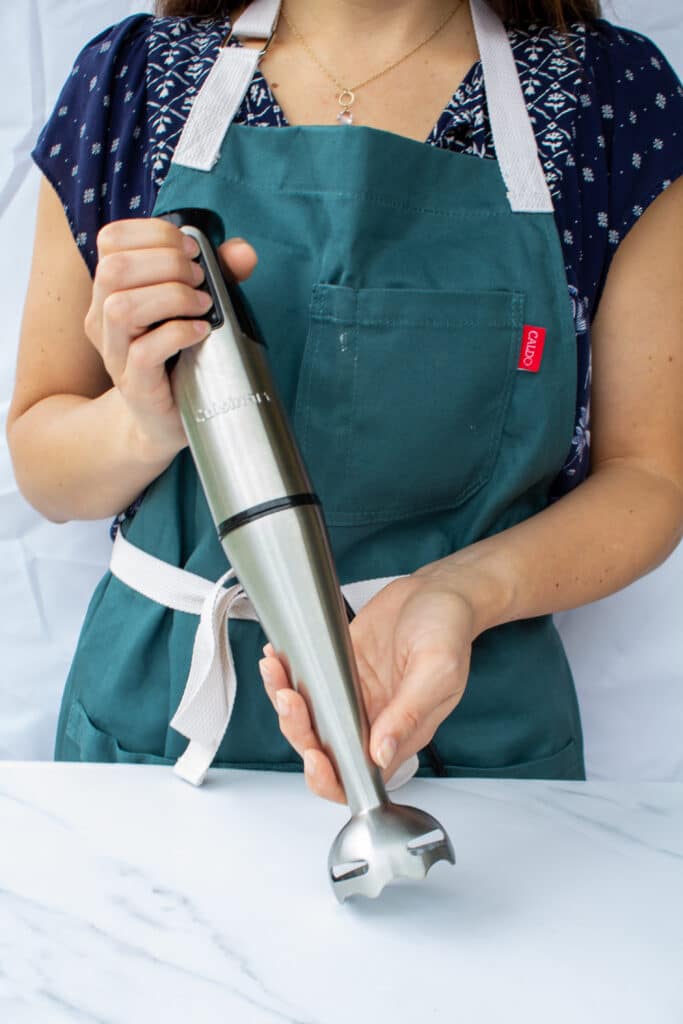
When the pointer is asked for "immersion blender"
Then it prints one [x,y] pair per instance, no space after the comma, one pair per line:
[271,527]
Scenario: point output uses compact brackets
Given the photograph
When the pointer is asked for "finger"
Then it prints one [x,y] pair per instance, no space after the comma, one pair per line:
[139,233]
[320,774]
[295,720]
[137,309]
[296,727]
[321,777]
[239,257]
[274,677]
[290,706]
[150,351]
[432,687]
[134,268]
[128,314]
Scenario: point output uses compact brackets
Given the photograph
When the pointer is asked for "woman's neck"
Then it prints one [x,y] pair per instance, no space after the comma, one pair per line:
[379,29]
[365,45]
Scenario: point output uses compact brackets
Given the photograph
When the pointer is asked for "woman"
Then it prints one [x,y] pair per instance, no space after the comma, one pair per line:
[414,301]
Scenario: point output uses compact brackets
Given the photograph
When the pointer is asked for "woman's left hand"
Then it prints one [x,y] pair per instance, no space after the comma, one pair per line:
[412,643]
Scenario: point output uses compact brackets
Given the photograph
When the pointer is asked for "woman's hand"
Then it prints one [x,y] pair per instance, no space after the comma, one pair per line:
[412,643]
[146,276]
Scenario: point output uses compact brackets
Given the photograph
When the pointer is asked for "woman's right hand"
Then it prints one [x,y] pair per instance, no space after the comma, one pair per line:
[146,274]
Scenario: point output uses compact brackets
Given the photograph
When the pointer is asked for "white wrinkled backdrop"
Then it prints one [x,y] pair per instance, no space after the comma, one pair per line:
[626,652]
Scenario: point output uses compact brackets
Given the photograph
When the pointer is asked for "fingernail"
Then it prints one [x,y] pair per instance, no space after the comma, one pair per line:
[282,702]
[386,752]
[197,273]
[267,678]
[190,246]
[202,328]
[309,763]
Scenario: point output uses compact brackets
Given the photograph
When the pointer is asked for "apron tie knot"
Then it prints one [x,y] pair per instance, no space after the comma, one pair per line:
[209,696]
[206,706]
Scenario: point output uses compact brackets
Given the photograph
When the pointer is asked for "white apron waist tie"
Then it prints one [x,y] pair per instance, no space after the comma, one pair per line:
[205,708]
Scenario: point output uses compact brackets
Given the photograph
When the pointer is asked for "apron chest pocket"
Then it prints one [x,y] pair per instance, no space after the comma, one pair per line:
[402,397]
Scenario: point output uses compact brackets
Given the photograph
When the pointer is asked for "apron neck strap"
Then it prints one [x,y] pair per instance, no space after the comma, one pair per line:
[219,99]
[221,96]
[513,135]
[259,21]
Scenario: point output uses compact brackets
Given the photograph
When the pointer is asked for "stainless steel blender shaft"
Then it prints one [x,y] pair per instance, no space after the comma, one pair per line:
[271,527]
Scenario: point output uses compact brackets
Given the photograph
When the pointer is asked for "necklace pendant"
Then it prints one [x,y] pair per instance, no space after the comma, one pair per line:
[345,99]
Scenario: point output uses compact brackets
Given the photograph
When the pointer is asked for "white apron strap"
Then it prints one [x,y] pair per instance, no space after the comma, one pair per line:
[206,706]
[513,134]
[219,99]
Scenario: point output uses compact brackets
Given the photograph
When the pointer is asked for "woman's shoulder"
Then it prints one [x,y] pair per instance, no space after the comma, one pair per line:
[180,52]
[107,73]
[190,33]
[143,45]
[180,55]
[583,41]
[96,128]
[623,45]
[123,102]
[607,110]
[602,98]
[113,50]
[591,59]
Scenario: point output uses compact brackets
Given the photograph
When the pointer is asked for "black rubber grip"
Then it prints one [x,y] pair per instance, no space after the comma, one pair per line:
[267,508]
[211,226]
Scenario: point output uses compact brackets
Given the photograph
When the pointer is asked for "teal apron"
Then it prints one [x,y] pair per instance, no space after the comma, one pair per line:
[395,289]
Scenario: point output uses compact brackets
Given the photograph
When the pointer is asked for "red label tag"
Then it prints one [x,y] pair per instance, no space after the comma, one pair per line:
[531,353]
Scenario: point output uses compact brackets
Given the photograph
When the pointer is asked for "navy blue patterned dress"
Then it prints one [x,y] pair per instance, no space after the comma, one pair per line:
[606,107]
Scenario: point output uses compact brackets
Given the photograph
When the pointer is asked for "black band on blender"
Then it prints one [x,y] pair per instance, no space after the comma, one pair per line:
[265,509]
[350,614]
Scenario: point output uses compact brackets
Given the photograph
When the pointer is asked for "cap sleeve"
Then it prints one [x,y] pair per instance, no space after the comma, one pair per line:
[93,148]
[639,124]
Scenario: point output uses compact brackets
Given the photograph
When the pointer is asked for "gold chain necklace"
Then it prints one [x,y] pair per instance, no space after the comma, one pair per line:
[347,94]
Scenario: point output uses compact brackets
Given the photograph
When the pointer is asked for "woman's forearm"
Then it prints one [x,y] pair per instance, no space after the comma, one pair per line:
[81,458]
[621,523]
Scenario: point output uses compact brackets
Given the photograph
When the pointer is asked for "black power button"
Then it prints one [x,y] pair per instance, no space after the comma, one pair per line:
[213,317]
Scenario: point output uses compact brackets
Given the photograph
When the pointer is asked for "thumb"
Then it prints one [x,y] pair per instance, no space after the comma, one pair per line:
[239,257]
[427,693]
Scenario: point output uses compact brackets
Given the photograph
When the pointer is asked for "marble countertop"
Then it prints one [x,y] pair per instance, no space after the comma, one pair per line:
[128,897]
